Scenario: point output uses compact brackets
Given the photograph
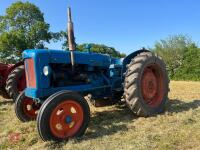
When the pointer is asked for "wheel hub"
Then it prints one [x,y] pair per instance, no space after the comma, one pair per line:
[149,84]
[152,85]
[66,119]
[30,108]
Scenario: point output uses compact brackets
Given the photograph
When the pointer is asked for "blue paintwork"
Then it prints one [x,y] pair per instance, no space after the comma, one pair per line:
[45,57]
[68,119]
[60,56]
[103,71]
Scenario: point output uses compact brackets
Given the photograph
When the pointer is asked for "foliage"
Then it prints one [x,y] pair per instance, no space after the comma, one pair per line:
[103,49]
[22,27]
[64,37]
[171,50]
[175,51]
[97,48]
[190,68]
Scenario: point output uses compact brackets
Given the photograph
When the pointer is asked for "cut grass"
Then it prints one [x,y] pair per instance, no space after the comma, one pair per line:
[114,127]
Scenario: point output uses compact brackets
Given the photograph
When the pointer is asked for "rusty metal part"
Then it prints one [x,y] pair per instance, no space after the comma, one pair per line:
[71,40]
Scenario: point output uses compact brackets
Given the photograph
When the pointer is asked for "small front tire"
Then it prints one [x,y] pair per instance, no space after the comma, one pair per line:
[62,116]
[26,109]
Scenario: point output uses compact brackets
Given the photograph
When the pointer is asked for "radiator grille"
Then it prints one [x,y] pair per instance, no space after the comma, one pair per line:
[30,73]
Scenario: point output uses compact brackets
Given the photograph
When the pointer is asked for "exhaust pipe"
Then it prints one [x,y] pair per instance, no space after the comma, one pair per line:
[71,40]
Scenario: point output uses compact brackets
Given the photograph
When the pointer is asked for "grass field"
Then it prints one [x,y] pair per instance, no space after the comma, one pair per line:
[114,127]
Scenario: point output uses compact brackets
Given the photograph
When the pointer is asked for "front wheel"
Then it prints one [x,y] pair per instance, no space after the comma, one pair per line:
[146,84]
[62,116]
[26,108]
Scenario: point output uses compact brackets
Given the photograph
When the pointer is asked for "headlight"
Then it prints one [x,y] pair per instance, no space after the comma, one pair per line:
[46,70]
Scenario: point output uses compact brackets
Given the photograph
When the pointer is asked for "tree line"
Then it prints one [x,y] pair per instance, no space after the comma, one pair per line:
[23,27]
[181,55]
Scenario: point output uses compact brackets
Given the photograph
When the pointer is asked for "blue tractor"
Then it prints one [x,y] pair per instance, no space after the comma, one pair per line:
[57,82]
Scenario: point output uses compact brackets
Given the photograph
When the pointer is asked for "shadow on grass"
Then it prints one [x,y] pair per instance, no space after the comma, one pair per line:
[112,121]
[5,102]
[104,123]
[109,122]
[177,106]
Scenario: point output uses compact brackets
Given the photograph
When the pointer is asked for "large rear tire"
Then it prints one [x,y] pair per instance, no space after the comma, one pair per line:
[16,82]
[62,116]
[146,84]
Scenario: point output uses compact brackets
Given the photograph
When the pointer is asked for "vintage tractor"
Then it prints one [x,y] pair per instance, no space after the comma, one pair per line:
[57,82]
[12,80]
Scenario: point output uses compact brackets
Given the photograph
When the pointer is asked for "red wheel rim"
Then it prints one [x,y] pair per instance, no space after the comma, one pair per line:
[30,108]
[66,119]
[153,85]
[21,83]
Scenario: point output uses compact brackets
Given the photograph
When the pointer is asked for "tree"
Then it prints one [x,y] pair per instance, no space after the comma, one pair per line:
[103,49]
[190,68]
[64,37]
[22,27]
[172,51]
[97,48]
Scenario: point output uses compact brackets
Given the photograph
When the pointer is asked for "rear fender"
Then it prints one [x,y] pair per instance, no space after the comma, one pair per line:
[128,58]
[15,66]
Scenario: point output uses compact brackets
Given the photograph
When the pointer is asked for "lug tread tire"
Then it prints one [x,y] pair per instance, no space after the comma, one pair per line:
[132,85]
[12,81]
[47,107]
[19,108]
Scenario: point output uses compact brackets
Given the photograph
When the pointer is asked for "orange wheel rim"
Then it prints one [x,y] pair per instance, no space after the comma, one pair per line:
[30,108]
[153,85]
[66,119]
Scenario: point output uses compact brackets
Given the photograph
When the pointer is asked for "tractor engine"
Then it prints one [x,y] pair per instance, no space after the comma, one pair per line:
[48,71]
[62,75]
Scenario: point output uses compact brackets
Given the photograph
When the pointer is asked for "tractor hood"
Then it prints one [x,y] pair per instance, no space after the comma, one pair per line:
[61,56]
[37,60]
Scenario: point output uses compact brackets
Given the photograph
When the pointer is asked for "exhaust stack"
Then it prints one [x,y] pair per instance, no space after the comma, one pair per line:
[71,40]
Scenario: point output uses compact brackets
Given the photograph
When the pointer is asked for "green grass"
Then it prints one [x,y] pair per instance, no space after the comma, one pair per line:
[115,127]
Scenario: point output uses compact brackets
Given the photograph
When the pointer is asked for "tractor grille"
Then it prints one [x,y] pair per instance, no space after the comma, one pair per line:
[30,73]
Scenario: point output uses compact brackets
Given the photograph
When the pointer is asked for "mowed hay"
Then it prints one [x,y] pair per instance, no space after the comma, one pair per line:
[115,127]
